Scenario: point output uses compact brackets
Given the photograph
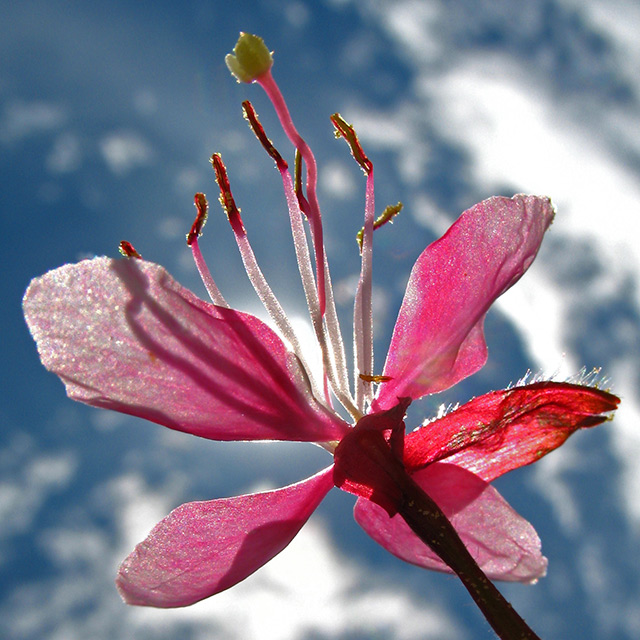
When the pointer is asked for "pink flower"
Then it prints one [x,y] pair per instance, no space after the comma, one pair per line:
[124,335]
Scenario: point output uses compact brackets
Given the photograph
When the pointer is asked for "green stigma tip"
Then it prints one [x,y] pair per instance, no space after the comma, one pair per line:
[250,58]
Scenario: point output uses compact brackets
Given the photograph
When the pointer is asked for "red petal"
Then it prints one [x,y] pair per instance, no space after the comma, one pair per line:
[202,548]
[438,338]
[504,430]
[123,335]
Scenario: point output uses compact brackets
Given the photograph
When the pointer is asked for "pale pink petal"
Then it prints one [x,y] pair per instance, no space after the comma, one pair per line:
[202,548]
[503,430]
[438,338]
[503,543]
[123,335]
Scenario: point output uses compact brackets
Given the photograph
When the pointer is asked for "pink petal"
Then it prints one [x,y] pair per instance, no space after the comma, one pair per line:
[504,430]
[123,335]
[438,338]
[202,548]
[503,543]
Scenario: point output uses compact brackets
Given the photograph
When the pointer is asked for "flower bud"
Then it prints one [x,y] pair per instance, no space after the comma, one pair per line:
[250,58]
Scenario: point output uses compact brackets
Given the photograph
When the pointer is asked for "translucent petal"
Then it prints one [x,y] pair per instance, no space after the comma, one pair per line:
[438,338]
[503,543]
[202,548]
[123,335]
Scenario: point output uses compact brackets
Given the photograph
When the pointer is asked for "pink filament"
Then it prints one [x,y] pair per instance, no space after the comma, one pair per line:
[270,87]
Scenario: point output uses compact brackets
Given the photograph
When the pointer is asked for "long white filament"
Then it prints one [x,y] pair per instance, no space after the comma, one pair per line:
[207,279]
[334,360]
[362,312]
[335,336]
[270,302]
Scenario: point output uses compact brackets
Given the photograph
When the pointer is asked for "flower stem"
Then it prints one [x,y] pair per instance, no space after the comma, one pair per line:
[431,525]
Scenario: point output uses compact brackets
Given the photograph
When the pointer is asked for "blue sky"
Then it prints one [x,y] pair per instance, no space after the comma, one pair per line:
[108,115]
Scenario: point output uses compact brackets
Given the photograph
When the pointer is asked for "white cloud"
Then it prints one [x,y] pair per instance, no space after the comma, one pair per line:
[145,102]
[336,180]
[519,135]
[530,144]
[23,119]
[297,14]
[311,589]
[28,479]
[400,128]
[414,25]
[65,156]
[626,440]
[124,151]
[549,477]
[620,21]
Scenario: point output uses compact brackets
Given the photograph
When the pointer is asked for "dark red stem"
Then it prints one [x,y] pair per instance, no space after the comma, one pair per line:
[431,525]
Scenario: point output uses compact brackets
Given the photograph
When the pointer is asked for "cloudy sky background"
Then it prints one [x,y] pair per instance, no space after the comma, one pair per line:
[108,115]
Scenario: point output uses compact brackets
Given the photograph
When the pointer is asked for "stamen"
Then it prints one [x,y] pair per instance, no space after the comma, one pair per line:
[310,207]
[362,311]
[256,277]
[387,215]
[297,179]
[226,197]
[334,360]
[202,206]
[337,345]
[329,337]
[128,250]
[330,313]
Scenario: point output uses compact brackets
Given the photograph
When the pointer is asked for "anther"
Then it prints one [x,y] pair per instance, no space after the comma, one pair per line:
[376,379]
[202,206]
[297,184]
[252,118]
[226,197]
[346,131]
[387,215]
[128,250]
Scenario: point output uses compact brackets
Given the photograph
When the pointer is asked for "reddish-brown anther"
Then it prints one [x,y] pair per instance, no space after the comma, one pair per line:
[226,197]
[202,206]
[128,250]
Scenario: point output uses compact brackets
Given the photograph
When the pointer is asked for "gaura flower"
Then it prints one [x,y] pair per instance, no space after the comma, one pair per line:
[124,335]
